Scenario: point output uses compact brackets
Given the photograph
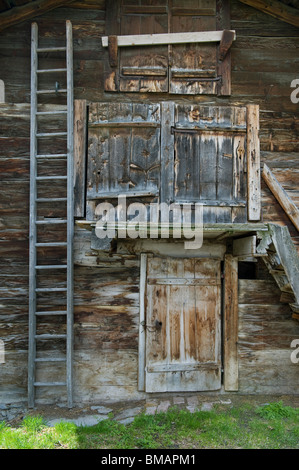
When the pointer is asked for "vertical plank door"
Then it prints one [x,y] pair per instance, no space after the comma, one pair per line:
[183,338]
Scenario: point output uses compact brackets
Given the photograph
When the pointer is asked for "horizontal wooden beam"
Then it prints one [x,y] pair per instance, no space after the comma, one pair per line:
[282,197]
[29,10]
[167,38]
[276,9]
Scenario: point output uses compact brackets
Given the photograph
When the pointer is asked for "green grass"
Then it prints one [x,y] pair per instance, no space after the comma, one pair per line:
[273,426]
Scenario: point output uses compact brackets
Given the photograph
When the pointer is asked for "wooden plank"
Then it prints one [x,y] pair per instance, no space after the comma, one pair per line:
[167,38]
[244,246]
[276,9]
[281,195]
[29,10]
[226,41]
[141,342]
[253,163]
[231,323]
[80,110]
[113,51]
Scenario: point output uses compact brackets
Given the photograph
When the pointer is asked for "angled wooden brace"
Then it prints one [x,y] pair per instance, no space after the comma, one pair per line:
[226,41]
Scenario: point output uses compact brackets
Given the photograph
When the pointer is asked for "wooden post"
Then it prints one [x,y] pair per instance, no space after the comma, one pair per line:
[253,164]
[141,344]
[231,323]
[167,152]
[79,157]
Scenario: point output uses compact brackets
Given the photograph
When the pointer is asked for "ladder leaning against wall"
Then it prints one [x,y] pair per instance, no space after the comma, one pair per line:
[44,178]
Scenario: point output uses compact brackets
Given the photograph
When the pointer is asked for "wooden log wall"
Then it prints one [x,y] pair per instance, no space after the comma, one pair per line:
[266,330]
[264,62]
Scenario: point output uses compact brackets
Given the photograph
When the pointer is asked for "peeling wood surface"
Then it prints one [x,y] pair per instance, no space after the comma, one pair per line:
[182,325]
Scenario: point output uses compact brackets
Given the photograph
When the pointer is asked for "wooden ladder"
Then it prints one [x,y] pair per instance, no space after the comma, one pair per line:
[42,191]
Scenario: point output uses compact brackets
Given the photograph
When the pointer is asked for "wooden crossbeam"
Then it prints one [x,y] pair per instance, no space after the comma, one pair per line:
[29,10]
[276,9]
[167,38]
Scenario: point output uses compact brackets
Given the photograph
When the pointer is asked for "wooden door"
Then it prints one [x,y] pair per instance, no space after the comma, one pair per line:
[183,336]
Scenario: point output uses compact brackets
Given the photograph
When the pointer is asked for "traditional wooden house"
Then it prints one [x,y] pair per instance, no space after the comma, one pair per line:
[193,103]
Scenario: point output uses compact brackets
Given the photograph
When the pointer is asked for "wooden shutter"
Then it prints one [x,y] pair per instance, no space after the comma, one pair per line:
[183,338]
[210,160]
[123,150]
[179,69]
[143,69]
[193,67]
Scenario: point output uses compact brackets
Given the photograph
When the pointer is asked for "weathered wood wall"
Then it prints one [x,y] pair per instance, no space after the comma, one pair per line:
[265,334]
[264,62]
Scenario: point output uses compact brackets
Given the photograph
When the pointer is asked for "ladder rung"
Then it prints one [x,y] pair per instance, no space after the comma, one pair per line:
[51,49]
[52,266]
[45,244]
[51,134]
[51,199]
[47,92]
[53,155]
[48,336]
[51,312]
[44,178]
[51,289]
[51,70]
[50,359]
[51,221]
[49,384]
[45,113]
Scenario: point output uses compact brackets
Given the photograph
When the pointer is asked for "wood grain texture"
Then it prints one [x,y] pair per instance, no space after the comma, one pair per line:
[253,164]
[80,136]
[231,373]
[182,325]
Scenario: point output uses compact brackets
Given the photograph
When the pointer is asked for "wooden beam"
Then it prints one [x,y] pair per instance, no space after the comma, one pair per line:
[80,122]
[244,246]
[166,38]
[142,319]
[113,51]
[253,163]
[282,197]
[231,375]
[276,9]
[29,10]
[226,41]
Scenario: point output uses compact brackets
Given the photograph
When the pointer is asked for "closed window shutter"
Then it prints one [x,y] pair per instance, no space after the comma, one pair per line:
[124,150]
[210,160]
[177,69]
[193,67]
[143,69]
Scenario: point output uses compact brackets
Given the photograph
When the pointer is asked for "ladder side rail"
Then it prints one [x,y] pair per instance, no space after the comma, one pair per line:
[32,217]
[70,209]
